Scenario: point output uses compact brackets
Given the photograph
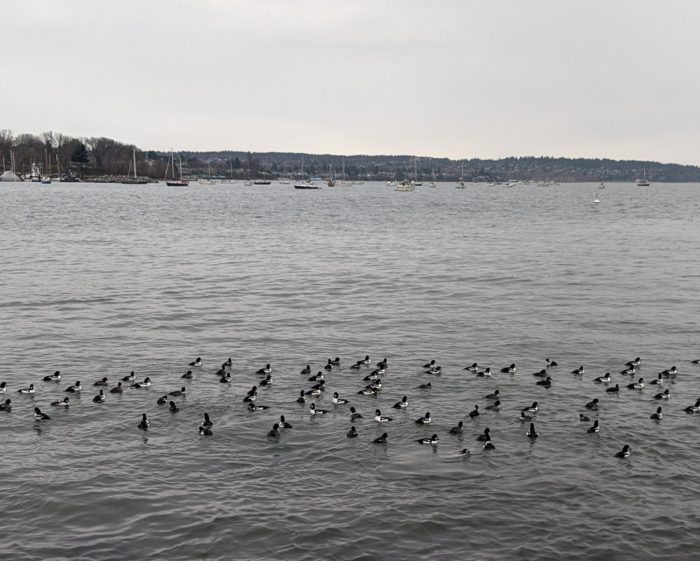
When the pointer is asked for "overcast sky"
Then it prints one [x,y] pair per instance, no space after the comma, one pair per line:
[456,78]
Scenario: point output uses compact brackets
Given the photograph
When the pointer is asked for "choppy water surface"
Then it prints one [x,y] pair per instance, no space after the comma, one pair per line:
[100,280]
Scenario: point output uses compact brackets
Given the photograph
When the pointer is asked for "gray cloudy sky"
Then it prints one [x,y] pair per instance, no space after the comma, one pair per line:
[458,78]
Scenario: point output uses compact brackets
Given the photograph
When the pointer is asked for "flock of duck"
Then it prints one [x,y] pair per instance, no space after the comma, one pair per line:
[373,377]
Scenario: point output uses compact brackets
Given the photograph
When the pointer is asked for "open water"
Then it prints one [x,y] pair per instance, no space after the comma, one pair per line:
[99,280]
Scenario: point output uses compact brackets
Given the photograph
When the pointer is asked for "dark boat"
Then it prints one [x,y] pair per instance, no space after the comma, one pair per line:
[176,182]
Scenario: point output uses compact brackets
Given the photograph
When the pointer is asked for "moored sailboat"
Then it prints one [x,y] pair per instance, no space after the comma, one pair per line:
[176,182]
[303,184]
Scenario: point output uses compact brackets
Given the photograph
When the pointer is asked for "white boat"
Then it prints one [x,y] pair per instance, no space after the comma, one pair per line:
[643,182]
[416,183]
[284,181]
[405,186]
[10,174]
[460,184]
[209,180]
[596,200]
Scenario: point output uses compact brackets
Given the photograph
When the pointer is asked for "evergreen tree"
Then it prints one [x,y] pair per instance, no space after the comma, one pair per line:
[80,154]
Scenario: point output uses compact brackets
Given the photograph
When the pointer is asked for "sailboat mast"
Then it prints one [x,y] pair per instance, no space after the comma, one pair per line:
[134,154]
[179,157]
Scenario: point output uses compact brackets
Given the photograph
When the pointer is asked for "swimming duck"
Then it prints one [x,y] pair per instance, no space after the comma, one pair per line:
[28,390]
[424,420]
[39,416]
[401,404]
[532,433]
[314,411]
[486,435]
[338,400]
[142,385]
[625,452]
[495,406]
[594,428]
[354,414]
[55,377]
[380,418]
[459,429]
[381,439]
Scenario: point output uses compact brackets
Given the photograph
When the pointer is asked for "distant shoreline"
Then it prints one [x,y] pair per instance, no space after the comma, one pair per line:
[56,155]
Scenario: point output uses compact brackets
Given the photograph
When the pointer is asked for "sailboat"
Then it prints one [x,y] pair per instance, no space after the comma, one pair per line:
[303,184]
[342,174]
[135,180]
[176,182]
[331,181]
[46,178]
[433,183]
[460,185]
[208,181]
[596,200]
[643,182]
[416,183]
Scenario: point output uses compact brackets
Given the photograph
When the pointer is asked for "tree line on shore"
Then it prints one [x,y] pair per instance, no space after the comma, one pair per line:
[55,154]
